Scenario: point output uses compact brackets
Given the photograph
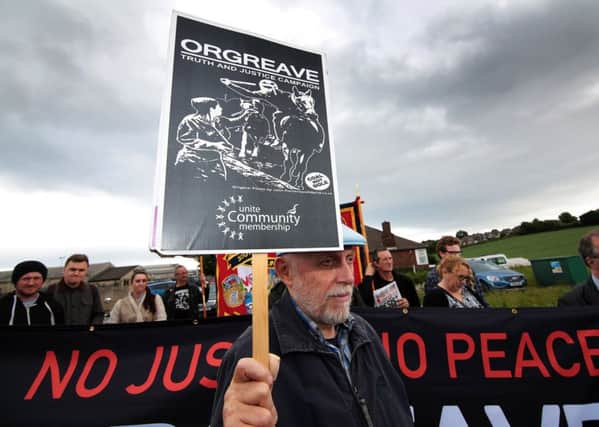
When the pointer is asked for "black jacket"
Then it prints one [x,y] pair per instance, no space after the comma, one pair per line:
[404,284]
[585,293]
[312,388]
[82,305]
[438,298]
[46,311]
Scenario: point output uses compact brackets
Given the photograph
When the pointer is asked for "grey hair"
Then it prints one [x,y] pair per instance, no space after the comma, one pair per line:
[178,266]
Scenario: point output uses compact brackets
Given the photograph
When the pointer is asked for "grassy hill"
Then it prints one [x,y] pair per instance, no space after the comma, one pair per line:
[531,246]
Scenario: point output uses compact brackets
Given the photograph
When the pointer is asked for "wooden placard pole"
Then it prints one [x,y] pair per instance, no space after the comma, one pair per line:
[202,285]
[260,308]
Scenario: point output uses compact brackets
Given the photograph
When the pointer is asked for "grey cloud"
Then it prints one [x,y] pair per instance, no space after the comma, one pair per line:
[512,71]
[77,100]
[541,48]
[498,104]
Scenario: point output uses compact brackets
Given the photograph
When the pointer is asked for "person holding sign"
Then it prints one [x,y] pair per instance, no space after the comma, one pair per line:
[383,287]
[331,366]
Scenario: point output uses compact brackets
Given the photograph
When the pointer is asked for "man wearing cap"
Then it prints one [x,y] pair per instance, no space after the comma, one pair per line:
[27,306]
[327,365]
[80,300]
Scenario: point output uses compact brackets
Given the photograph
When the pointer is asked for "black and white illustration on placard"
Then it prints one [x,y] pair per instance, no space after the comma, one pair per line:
[266,134]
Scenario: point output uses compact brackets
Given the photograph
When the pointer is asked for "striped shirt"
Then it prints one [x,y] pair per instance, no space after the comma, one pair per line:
[339,345]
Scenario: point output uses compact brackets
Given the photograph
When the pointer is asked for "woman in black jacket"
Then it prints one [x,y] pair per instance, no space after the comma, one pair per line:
[454,290]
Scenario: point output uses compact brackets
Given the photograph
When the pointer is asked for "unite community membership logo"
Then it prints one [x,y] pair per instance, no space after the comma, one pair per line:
[235,218]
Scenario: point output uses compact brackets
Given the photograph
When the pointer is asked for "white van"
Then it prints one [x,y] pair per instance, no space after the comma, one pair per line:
[499,259]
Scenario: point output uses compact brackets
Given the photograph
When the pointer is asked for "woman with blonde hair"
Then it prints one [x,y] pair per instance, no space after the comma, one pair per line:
[454,290]
[140,305]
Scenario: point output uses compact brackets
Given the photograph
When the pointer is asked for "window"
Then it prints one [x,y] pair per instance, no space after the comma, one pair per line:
[421,257]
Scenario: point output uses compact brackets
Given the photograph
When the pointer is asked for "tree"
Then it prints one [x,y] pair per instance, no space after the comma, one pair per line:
[567,218]
[461,234]
[525,228]
[431,250]
[590,217]
[210,264]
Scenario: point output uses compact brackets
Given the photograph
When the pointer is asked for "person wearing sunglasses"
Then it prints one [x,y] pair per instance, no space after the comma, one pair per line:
[455,288]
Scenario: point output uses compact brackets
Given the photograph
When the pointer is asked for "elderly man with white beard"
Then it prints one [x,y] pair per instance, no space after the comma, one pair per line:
[327,365]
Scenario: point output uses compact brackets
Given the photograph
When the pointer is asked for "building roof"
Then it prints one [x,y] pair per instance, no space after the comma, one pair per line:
[5,276]
[160,269]
[114,273]
[375,239]
[98,268]
[55,273]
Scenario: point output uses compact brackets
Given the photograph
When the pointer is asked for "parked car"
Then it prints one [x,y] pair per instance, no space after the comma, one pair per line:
[499,259]
[504,261]
[492,276]
[159,287]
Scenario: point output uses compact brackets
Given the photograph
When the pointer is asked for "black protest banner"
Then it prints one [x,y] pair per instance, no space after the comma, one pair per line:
[245,159]
[532,367]
[496,367]
[114,375]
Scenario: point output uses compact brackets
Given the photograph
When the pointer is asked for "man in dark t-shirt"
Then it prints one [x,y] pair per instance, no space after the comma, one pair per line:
[182,300]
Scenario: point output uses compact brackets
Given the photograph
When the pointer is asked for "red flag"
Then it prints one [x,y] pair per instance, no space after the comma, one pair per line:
[234,283]
[351,215]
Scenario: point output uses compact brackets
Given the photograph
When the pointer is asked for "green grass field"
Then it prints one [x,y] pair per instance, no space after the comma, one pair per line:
[539,245]
[532,295]
[531,246]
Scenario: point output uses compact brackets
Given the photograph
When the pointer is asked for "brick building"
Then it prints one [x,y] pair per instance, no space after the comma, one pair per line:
[406,253]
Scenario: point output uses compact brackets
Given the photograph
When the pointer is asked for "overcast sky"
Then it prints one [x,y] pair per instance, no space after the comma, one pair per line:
[446,115]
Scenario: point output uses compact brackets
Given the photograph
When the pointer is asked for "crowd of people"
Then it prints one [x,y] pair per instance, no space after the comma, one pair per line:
[328,363]
[319,348]
[73,301]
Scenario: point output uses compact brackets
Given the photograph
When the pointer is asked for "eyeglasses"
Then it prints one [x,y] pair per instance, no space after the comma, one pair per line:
[465,278]
[453,252]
